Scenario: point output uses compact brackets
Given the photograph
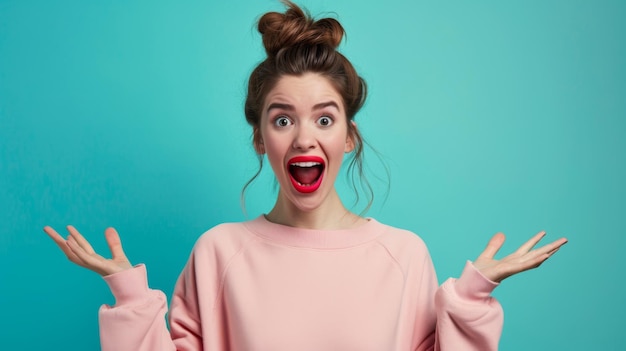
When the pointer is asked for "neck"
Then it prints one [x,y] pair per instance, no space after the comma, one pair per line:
[331,214]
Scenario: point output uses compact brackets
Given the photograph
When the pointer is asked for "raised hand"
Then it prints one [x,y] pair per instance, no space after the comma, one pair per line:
[78,250]
[523,259]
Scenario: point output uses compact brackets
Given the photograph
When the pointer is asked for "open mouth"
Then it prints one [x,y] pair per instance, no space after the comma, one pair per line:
[306,173]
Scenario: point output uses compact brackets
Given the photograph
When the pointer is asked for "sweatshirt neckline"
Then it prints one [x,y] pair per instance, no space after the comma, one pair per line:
[315,238]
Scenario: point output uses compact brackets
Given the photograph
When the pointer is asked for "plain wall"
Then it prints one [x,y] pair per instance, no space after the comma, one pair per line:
[490,116]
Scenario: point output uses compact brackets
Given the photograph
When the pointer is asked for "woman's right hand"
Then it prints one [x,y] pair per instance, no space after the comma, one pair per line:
[78,250]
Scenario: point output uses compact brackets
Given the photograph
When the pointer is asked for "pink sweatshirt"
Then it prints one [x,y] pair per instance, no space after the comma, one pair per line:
[262,286]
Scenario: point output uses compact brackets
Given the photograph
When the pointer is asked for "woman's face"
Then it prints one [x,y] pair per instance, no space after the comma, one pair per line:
[304,132]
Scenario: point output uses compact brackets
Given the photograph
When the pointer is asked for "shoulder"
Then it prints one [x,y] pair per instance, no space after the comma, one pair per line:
[225,239]
[404,245]
[401,237]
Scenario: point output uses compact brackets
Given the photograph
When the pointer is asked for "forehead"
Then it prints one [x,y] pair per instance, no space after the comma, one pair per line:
[305,90]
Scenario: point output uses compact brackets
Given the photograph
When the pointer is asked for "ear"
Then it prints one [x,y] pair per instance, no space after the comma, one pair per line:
[351,141]
[259,147]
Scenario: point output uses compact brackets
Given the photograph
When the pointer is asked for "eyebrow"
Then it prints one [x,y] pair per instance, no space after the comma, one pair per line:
[289,107]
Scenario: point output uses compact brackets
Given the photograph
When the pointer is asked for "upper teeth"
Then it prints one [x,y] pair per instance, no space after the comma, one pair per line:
[305,164]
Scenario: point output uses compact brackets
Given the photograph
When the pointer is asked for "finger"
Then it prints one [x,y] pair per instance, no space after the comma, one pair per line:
[58,239]
[552,247]
[61,242]
[80,240]
[494,245]
[536,257]
[538,260]
[527,246]
[92,261]
[115,243]
[76,251]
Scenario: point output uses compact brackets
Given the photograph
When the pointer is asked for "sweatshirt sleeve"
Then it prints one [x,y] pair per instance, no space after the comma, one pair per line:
[468,318]
[137,321]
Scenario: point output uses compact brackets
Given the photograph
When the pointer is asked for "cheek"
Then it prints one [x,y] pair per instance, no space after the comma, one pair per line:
[275,149]
[338,141]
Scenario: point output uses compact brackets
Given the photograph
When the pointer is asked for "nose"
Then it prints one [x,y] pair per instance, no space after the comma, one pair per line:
[304,138]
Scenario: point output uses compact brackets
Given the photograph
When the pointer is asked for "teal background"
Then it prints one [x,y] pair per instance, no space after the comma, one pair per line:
[490,115]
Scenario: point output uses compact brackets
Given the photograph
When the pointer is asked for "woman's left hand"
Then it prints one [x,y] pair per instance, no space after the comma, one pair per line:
[523,259]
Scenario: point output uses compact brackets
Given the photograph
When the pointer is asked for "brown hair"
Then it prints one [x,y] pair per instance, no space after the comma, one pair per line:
[295,44]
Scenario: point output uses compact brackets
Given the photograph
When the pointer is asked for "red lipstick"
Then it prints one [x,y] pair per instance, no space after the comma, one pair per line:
[306,173]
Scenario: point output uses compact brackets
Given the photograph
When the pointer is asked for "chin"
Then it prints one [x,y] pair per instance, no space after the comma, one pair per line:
[305,202]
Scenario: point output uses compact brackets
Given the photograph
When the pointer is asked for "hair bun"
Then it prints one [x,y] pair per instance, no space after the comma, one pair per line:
[296,27]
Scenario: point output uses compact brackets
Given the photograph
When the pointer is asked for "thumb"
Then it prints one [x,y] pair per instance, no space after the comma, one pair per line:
[494,245]
[115,244]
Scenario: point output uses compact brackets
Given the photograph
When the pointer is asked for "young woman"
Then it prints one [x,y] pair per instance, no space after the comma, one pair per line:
[309,274]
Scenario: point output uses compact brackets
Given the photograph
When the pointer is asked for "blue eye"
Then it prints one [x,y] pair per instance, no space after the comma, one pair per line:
[282,121]
[325,121]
